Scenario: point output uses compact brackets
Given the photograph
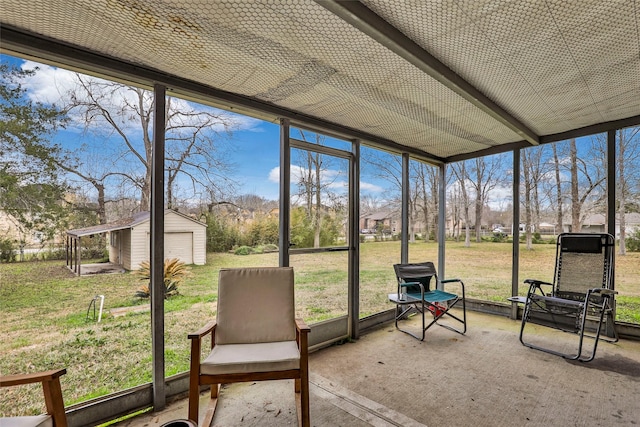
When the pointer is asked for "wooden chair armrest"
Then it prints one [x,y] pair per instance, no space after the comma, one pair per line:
[205,330]
[196,347]
[50,381]
[302,338]
[302,326]
[37,377]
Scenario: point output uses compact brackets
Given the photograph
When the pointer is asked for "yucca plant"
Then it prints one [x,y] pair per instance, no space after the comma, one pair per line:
[175,271]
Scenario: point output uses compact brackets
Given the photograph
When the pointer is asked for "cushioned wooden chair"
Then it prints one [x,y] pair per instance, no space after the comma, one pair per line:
[255,337]
[50,380]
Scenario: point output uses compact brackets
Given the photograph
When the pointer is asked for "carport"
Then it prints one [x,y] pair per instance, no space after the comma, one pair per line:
[129,240]
[438,82]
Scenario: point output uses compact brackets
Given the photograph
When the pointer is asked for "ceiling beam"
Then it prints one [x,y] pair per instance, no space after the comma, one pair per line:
[367,21]
[591,130]
[552,138]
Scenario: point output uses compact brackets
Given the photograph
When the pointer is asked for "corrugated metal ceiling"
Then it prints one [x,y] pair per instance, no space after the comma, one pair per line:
[448,79]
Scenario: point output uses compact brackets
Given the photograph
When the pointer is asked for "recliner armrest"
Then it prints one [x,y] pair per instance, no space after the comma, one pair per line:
[537,282]
[606,292]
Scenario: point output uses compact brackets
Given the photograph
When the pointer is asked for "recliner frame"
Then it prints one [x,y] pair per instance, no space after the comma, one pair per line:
[582,292]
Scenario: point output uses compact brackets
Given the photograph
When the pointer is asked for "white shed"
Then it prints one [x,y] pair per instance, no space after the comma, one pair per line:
[129,240]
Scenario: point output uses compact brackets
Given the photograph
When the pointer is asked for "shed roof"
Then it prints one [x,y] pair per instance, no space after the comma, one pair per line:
[444,80]
[377,216]
[124,223]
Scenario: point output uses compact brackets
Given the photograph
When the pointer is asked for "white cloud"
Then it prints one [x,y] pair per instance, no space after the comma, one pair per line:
[48,83]
[296,171]
[52,85]
[339,185]
[373,188]
[500,197]
[274,175]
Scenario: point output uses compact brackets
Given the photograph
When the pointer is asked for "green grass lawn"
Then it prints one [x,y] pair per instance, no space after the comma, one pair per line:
[44,325]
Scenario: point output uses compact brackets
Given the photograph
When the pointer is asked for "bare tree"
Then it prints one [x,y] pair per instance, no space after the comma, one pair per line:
[528,183]
[122,116]
[462,178]
[426,201]
[627,171]
[314,182]
[587,175]
[454,206]
[389,168]
[628,154]
[369,203]
[558,187]
[533,170]
[484,174]
[313,186]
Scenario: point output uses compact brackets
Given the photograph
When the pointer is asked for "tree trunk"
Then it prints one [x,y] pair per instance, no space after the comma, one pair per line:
[622,184]
[318,210]
[479,185]
[559,213]
[526,171]
[101,211]
[576,225]
[465,205]
[478,218]
[436,209]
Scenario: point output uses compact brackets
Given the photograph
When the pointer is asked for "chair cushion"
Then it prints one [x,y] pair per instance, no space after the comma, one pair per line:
[435,296]
[34,421]
[255,305]
[260,357]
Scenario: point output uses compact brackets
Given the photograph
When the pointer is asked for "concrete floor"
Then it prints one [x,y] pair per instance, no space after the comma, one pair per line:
[484,378]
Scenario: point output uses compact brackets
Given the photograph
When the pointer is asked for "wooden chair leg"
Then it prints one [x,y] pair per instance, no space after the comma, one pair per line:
[304,400]
[54,402]
[211,407]
[194,402]
[296,385]
[214,390]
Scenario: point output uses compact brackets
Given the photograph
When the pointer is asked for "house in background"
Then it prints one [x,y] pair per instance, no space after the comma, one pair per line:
[379,221]
[128,240]
[11,230]
[597,223]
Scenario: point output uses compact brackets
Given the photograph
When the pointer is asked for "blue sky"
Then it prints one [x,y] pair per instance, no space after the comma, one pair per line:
[253,146]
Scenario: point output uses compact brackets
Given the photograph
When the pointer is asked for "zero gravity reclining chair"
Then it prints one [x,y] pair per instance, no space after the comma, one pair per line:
[580,299]
[415,294]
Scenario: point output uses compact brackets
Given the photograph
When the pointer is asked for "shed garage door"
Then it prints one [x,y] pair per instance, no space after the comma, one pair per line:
[179,245]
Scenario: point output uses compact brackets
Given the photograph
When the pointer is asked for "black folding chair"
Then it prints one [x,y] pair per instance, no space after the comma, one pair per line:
[415,294]
[581,298]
